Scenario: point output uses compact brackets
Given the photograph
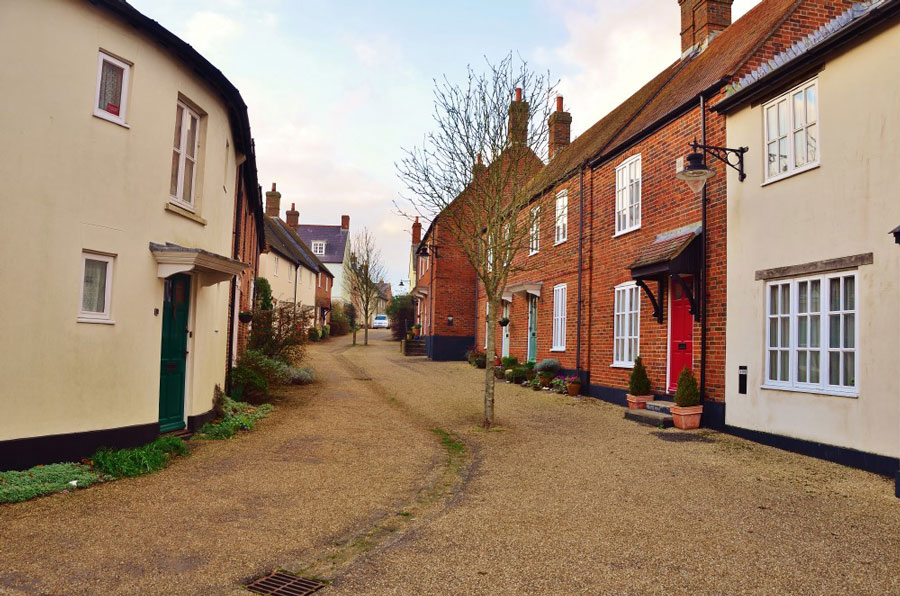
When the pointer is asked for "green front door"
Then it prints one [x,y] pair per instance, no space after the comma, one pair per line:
[532,327]
[174,352]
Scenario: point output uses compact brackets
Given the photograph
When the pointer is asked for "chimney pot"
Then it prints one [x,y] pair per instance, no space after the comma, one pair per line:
[273,187]
[345,222]
[518,120]
[559,103]
[273,202]
[518,94]
[293,217]
[416,231]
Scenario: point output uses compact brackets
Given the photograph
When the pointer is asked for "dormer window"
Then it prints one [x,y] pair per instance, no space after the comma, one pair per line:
[318,247]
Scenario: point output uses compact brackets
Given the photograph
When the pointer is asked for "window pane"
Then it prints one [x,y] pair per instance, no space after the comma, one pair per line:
[173,184]
[192,137]
[835,303]
[773,365]
[179,116]
[799,116]
[94,295]
[771,124]
[772,158]
[802,324]
[849,293]
[834,368]
[849,331]
[111,78]
[782,118]
[814,331]
[802,297]
[812,105]
[814,367]
[849,372]
[773,333]
[801,367]
[783,155]
[834,328]
[785,299]
[811,144]
[785,332]
[814,296]
[785,365]
[773,300]
[188,182]
[800,148]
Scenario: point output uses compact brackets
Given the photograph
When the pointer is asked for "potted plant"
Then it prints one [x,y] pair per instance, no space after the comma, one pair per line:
[546,370]
[481,360]
[504,321]
[409,335]
[245,316]
[529,370]
[508,362]
[573,385]
[535,383]
[639,387]
[559,384]
[687,409]
[416,328]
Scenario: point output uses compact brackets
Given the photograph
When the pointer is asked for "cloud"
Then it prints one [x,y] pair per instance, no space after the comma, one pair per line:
[210,31]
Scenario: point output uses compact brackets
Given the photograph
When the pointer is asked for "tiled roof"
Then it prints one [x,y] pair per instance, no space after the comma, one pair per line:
[675,88]
[666,247]
[282,238]
[335,239]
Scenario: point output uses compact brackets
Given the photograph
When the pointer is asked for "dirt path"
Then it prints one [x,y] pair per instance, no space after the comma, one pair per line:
[331,460]
[570,498]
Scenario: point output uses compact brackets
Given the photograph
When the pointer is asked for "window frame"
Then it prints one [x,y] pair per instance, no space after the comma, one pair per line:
[624,196]
[561,222]
[91,316]
[825,313]
[275,267]
[178,197]
[791,130]
[119,119]
[534,232]
[314,244]
[558,336]
[629,333]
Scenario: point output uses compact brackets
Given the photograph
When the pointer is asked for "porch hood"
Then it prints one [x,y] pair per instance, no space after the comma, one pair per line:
[524,288]
[172,259]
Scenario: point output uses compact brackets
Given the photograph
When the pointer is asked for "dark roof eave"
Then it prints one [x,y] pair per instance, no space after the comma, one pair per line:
[809,59]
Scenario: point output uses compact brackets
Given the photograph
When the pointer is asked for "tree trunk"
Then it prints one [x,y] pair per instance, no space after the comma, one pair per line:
[489,366]
[366,332]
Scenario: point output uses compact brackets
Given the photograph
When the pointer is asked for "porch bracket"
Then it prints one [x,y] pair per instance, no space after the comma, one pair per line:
[657,311]
[689,293]
[733,158]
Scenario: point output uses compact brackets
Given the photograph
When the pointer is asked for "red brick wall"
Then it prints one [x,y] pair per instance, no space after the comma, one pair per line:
[450,280]
[323,298]
[246,251]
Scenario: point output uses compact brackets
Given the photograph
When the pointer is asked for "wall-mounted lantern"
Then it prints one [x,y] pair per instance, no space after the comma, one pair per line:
[450,320]
[696,172]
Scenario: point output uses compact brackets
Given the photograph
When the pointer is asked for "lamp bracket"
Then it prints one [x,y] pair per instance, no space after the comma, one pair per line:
[733,158]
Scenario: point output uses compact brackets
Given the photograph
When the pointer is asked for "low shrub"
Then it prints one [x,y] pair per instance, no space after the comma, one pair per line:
[639,383]
[313,334]
[303,375]
[43,480]
[529,365]
[559,385]
[247,384]
[236,416]
[547,367]
[326,331]
[127,463]
[509,362]
[687,393]
[340,322]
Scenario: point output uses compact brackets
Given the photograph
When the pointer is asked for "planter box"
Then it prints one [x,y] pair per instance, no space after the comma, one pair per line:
[638,402]
[573,389]
[686,418]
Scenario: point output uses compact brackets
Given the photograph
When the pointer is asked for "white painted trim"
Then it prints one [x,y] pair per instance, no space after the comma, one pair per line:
[669,334]
[792,170]
[97,317]
[102,57]
[563,194]
[623,167]
[178,198]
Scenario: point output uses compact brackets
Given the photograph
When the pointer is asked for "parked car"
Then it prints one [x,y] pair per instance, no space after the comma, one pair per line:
[380,322]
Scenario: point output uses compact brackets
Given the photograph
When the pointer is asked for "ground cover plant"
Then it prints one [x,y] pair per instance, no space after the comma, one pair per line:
[236,416]
[43,480]
[137,461]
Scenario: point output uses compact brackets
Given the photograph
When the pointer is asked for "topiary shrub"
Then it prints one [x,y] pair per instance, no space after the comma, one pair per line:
[687,394]
[509,362]
[547,367]
[639,384]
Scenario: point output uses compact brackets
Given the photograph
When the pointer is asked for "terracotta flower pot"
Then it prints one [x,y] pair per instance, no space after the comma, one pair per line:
[573,388]
[687,418]
[638,402]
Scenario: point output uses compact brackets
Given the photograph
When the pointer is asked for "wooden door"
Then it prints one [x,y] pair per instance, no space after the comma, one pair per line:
[505,331]
[176,301]
[681,332]
[532,327]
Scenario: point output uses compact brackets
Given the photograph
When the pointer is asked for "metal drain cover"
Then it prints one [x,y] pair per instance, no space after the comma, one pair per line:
[284,584]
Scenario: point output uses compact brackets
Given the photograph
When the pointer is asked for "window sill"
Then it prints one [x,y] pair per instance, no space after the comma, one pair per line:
[622,365]
[624,232]
[563,241]
[95,321]
[790,174]
[531,254]
[813,391]
[557,349]
[110,118]
[172,208]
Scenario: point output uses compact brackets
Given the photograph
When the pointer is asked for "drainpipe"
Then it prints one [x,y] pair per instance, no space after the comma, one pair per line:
[580,272]
[703,262]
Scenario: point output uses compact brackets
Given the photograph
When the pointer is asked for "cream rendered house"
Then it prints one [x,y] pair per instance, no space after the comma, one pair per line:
[813,327]
[124,150]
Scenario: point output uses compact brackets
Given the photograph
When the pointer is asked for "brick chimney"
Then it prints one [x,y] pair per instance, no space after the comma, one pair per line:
[273,202]
[416,231]
[345,222]
[701,20]
[518,120]
[560,123]
[293,217]
[478,169]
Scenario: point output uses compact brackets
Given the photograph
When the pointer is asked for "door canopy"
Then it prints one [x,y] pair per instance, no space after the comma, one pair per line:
[674,254]
[172,259]
[525,288]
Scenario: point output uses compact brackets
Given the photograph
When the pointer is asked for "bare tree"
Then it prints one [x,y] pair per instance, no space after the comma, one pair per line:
[362,272]
[498,117]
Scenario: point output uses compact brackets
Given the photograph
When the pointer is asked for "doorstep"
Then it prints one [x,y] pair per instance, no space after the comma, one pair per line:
[663,406]
[650,417]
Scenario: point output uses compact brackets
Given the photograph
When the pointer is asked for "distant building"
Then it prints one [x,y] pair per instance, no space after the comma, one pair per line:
[331,245]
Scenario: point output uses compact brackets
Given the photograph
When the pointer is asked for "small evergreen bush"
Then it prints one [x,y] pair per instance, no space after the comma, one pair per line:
[547,367]
[509,362]
[687,393]
[639,384]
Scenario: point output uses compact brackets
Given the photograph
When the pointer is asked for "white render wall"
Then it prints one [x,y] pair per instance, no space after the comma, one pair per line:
[845,207]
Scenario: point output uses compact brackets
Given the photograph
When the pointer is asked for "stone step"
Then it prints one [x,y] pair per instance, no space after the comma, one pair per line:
[649,417]
[660,405]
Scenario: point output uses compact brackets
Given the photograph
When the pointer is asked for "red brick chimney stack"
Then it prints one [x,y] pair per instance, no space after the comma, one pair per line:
[345,222]
[560,123]
[273,202]
[479,168]
[518,120]
[416,231]
[293,217]
[701,20]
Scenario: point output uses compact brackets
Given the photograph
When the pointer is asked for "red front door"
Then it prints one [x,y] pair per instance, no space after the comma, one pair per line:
[681,343]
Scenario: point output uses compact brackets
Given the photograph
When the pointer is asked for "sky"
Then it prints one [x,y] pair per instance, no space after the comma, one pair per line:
[337,89]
